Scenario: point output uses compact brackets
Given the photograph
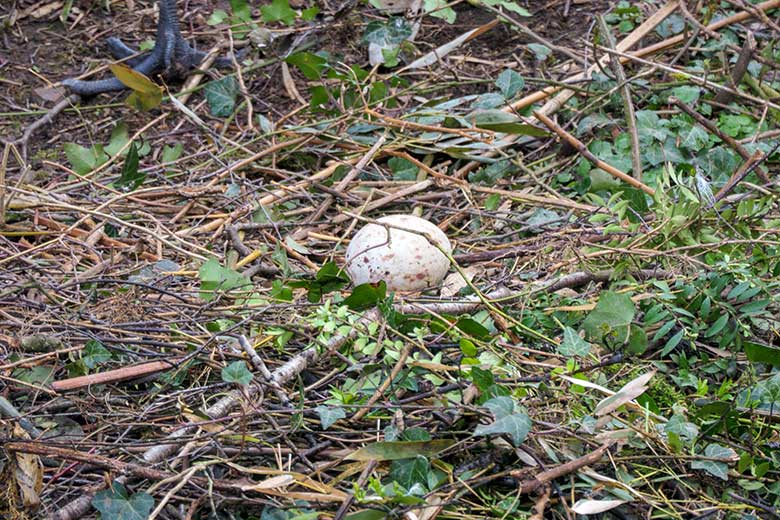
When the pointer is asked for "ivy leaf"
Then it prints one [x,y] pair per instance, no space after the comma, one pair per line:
[215,277]
[237,372]
[94,353]
[403,169]
[760,353]
[217,17]
[517,423]
[714,467]
[611,316]
[366,295]
[84,160]
[482,379]
[114,503]
[119,138]
[500,407]
[171,154]
[389,33]
[241,10]
[329,415]
[541,52]
[572,344]
[221,96]
[409,472]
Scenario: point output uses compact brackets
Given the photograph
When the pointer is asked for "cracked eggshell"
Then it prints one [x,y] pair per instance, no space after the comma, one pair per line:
[405,260]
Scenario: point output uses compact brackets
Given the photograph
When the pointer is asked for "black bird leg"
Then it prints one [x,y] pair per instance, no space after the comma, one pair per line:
[172,56]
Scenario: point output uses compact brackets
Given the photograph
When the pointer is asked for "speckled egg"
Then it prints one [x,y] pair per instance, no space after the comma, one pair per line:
[405,260]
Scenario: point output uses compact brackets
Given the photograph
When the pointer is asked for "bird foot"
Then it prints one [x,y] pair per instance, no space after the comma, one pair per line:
[171,56]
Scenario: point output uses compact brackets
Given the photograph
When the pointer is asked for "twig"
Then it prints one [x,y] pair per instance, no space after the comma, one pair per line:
[44,120]
[528,486]
[111,376]
[745,55]
[628,105]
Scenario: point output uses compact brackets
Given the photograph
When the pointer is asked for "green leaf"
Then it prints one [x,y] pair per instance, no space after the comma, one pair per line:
[171,154]
[717,326]
[510,83]
[387,34]
[416,434]
[440,9]
[482,379]
[221,96]
[307,15]
[366,514]
[693,138]
[759,353]
[500,121]
[329,415]
[473,328]
[396,450]
[130,178]
[754,307]
[119,138]
[278,11]
[237,372]
[500,407]
[573,344]
[241,10]
[515,8]
[541,52]
[331,276]
[686,430]
[403,169]
[716,468]
[310,65]
[670,26]
[366,295]
[506,4]
[664,330]
[611,316]
[84,160]
[214,277]
[94,353]
[672,343]
[516,425]
[468,348]
[687,93]
[637,340]
[114,503]
[37,375]
[409,472]
[217,17]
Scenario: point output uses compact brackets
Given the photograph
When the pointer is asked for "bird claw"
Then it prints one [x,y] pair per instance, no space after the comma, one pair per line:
[171,56]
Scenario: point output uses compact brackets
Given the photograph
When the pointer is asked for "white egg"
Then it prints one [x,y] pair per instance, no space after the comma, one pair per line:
[405,260]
